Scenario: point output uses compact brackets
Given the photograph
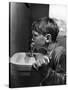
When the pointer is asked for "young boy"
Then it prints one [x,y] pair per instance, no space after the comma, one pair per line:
[51,60]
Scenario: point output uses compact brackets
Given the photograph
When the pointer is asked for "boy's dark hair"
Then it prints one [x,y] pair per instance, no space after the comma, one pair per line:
[45,26]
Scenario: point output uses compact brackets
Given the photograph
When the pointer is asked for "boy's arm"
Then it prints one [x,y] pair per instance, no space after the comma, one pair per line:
[56,75]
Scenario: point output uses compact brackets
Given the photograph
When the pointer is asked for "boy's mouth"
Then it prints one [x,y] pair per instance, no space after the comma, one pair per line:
[32,40]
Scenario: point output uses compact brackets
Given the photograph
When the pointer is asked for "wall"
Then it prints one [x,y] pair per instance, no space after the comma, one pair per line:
[20,20]
[40,10]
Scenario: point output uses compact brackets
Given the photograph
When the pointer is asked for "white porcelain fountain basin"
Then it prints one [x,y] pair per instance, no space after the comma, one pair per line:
[22,59]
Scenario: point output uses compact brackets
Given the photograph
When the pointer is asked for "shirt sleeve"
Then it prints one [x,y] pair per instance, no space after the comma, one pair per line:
[56,73]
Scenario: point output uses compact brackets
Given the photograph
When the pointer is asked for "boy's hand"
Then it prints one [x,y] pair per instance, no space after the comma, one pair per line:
[40,60]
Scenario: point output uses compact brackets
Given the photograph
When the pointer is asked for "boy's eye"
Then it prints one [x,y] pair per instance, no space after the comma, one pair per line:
[35,35]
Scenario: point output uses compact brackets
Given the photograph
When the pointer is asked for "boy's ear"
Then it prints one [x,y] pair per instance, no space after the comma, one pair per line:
[48,38]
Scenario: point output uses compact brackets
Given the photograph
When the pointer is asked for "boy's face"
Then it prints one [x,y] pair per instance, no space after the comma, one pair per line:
[38,39]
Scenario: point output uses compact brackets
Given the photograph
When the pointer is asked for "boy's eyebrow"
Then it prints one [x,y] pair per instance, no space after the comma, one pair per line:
[34,32]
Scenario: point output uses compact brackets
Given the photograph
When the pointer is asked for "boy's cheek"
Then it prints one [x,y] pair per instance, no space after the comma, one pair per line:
[40,41]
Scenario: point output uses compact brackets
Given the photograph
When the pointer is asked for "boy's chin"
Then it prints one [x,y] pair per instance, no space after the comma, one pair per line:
[38,46]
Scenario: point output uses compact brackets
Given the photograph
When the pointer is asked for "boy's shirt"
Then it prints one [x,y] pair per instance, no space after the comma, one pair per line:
[56,71]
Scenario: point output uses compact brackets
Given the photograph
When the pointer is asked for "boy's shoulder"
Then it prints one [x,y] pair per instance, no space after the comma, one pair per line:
[59,52]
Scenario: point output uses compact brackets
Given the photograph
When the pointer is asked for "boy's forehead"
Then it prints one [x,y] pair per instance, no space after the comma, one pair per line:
[40,28]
